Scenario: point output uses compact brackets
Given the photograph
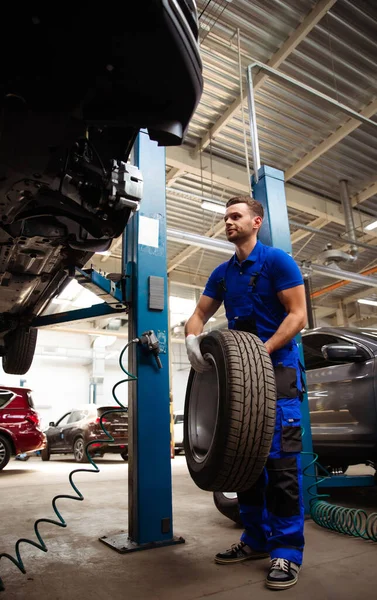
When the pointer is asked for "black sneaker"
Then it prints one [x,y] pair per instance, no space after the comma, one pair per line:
[238,553]
[282,574]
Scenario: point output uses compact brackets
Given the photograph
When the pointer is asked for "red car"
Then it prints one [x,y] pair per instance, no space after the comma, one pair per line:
[19,424]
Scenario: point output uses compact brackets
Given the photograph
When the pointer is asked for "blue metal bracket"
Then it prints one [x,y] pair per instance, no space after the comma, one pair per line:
[82,314]
[112,293]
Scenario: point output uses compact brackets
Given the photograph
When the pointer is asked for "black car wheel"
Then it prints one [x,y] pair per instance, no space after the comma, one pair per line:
[79,451]
[230,412]
[45,454]
[19,350]
[5,452]
[124,455]
[227,504]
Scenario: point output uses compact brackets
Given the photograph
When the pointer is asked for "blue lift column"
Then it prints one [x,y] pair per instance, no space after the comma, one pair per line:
[150,522]
[270,191]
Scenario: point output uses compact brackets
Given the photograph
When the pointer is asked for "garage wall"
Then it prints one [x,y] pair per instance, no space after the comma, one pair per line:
[61,372]
[180,373]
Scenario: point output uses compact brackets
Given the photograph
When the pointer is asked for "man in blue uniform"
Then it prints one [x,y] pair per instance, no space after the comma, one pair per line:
[263,293]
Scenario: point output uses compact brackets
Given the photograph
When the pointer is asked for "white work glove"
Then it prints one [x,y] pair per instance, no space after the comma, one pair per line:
[194,354]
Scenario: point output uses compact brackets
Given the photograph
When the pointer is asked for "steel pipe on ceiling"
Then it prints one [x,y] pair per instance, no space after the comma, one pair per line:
[202,241]
[333,236]
[343,275]
[193,239]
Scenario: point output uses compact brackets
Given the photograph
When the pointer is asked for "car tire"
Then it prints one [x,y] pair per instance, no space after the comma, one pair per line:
[124,455]
[79,451]
[227,504]
[45,454]
[5,451]
[230,412]
[19,350]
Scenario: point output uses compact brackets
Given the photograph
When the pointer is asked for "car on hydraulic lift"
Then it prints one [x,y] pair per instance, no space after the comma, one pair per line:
[20,427]
[75,91]
[82,425]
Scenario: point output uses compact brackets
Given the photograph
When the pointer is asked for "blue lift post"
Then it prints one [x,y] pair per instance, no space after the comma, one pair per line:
[270,191]
[150,523]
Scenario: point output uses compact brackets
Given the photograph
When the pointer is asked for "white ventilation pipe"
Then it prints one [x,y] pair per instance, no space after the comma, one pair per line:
[193,239]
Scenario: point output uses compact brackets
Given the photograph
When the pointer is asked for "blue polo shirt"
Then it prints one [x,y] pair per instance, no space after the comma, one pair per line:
[230,283]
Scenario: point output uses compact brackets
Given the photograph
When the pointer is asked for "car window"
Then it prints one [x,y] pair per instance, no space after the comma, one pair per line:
[63,420]
[30,400]
[5,397]
[76,415]
[178,419]
[312,345]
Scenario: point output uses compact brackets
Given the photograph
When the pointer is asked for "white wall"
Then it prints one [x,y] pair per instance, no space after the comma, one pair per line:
[60,374]
[180,373]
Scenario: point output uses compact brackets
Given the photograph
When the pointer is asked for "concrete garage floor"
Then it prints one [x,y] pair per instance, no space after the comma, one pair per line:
[78,566]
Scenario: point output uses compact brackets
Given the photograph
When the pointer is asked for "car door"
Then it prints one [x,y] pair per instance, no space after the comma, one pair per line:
[55,435]
[72,428]
[341,395]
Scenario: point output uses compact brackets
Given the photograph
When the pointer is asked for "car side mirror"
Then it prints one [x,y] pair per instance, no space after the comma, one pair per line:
[51,424]
[341,353]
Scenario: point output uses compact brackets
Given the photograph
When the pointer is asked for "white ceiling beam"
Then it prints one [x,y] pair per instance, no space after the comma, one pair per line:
[310,21]
[187,252]
[173,175]
[224,173]
[234,177]
[186,279]
[330,141]
[354,297]
[370,191]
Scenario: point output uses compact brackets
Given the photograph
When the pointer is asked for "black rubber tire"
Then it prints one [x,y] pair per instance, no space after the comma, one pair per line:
[228,507]
[79,451]
[244,425]
[124,455]
[5,451]
[45,454]
[19,350]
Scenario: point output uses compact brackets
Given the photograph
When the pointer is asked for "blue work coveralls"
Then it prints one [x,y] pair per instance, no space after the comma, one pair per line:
[272,511]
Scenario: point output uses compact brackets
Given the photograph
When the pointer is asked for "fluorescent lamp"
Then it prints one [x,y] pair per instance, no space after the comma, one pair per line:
[371,226]
[214,207]
[105,253]
[370,302]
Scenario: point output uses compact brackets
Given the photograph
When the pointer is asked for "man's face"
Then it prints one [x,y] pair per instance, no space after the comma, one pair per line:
[240,223]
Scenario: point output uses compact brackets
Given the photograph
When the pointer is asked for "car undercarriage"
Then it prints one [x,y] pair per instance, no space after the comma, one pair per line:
[75,91]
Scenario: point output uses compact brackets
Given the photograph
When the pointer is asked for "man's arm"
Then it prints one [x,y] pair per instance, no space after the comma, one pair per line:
[204,310]
[294,302]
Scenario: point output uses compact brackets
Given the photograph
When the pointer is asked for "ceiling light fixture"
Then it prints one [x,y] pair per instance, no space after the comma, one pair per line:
[371,226]
[214,207]
[370,302]
[104,253]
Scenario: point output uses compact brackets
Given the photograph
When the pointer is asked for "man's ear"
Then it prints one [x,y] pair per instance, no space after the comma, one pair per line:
[258,221]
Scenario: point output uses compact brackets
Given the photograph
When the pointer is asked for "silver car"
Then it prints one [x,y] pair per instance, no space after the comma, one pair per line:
[342,391]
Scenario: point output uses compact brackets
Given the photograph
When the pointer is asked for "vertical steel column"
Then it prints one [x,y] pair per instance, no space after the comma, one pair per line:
[269,190]
[150,523]
[309,303]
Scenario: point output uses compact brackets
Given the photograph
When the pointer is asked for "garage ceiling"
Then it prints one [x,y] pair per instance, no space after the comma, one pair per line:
[329,45]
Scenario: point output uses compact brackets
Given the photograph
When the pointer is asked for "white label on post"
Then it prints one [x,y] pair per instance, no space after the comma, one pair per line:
[148,231]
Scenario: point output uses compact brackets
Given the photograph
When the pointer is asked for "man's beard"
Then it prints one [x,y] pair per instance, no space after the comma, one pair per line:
[236,236]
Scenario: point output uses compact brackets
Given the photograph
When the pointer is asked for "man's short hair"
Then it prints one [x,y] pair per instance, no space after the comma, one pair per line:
[255,206]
